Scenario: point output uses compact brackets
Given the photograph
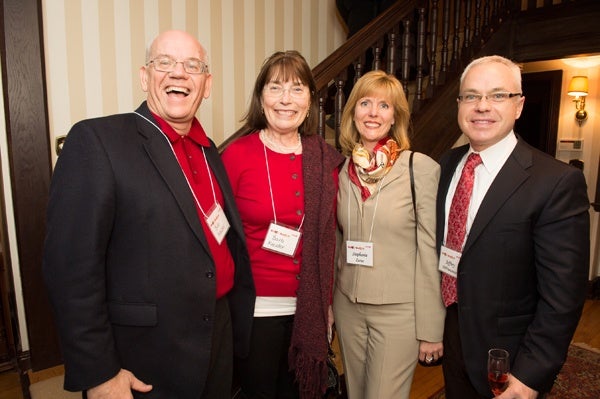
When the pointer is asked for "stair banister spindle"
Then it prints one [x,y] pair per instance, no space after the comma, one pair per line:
[321,124]
[486,19]
[339,106]
[445,38]
[420,57]
[495,11]
[477,27]
[405,56]
[432,47]
[456,37]
[391,51]
[377,47]
[359,65]
[467,30]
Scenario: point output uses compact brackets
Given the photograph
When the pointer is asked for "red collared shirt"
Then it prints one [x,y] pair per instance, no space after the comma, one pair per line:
[188,150]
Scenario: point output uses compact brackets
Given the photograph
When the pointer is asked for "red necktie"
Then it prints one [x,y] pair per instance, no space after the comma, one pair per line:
[457,221]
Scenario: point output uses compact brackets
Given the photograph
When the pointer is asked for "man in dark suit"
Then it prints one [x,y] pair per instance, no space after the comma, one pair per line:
[521,271]
[145,258]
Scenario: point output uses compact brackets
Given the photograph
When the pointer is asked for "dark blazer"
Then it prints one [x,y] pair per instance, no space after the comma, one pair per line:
[127,264]
[524,268]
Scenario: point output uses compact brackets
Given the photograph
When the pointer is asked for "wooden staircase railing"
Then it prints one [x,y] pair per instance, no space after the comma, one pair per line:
[425,43]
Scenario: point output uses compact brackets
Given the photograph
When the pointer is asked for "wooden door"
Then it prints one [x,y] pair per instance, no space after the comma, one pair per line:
[27,130]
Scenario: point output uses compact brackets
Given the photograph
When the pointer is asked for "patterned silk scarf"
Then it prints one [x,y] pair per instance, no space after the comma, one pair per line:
[366,169]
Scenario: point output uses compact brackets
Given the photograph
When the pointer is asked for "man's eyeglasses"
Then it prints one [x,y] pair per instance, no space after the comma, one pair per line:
[493,97]
[167,64]
[277,90]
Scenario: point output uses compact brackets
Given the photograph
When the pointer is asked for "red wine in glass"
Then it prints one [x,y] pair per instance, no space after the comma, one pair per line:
[497,382]
[498,369]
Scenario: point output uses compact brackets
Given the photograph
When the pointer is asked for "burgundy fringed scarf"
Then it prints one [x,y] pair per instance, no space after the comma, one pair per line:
[308,350]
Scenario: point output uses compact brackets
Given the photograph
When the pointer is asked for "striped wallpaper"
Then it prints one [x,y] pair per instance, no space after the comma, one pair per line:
[94,49]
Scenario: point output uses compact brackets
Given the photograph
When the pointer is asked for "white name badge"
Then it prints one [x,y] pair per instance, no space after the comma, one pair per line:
[359,253]
[449,259]
[217,222]
[282,239]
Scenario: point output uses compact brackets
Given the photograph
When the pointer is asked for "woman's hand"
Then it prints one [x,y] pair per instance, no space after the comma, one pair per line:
[430,352]
[330,321]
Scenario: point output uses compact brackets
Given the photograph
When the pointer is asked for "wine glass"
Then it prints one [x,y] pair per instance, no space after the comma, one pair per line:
[498,369]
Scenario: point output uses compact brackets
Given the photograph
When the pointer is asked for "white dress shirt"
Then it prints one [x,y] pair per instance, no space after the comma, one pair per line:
[493,158]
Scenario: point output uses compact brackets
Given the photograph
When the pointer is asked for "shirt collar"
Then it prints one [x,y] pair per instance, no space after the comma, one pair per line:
[494,156]
[196,133]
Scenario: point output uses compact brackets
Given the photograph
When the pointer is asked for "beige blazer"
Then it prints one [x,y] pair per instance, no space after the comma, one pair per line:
[400,273]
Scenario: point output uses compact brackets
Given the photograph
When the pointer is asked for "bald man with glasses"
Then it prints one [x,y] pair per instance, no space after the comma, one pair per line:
[145,257]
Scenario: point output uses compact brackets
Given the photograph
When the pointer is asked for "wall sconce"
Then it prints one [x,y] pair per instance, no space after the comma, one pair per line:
[579,88]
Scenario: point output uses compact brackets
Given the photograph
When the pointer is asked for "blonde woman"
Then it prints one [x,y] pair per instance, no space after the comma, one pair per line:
[387,302]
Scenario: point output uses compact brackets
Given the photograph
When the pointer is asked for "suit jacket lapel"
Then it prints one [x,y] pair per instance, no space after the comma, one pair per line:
[509,178]
[400,168]
[162,156]
[447,171]
[450,166]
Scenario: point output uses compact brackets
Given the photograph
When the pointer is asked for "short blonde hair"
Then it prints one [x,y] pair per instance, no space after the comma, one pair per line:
[383,84]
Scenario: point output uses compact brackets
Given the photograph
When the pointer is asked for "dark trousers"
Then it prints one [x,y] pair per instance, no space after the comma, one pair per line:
[220,369]
[265,372]
[456,381]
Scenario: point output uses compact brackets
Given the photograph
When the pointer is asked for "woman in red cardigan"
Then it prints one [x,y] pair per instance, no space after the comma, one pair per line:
[284,179]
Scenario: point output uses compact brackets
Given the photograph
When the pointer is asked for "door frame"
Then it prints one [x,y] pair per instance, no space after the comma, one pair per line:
[30,168]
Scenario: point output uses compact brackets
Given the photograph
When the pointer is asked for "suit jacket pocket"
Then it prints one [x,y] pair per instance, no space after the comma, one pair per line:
[133,314]
[511,325]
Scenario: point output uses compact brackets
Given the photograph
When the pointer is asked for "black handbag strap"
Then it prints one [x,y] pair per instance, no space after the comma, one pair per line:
[412,185]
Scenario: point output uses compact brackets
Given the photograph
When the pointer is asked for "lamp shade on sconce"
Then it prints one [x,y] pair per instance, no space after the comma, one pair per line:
[578,86]
[579,89]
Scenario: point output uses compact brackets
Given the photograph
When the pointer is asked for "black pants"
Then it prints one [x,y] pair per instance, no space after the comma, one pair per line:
[265,372]
[456,381]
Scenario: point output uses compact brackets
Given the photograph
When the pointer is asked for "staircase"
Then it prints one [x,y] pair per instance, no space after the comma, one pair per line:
[427,43]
